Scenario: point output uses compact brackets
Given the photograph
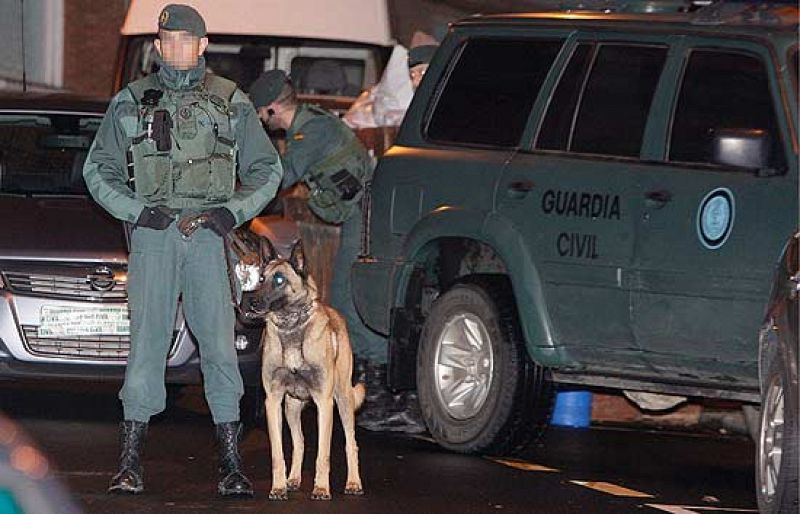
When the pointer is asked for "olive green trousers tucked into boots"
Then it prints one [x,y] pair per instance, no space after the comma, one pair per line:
[232,480]
[130,477]
[162,267]
[366,343]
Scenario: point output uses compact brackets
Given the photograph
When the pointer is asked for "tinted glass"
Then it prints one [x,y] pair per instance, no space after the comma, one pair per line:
[720,90]
[44,154]
[557,124]
[616,100]
[324,76]
[489,93]
[242,59]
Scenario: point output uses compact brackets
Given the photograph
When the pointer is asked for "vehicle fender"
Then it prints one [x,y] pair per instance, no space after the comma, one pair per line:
[500,234]
[778,334]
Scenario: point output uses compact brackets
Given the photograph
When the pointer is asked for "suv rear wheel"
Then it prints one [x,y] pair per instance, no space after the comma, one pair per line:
[478,390]
[776,463]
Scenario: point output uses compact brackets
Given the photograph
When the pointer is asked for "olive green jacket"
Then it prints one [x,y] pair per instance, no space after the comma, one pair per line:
[260,170]
[311,138]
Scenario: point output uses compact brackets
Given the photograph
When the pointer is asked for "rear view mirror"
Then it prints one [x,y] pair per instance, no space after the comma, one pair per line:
[746,148]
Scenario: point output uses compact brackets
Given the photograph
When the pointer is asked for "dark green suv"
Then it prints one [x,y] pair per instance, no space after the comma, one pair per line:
[584,198]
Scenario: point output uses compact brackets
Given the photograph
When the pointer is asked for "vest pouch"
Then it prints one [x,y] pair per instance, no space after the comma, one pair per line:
[336,184]
[151,171]
[222,170]
[327,205]
[210,179]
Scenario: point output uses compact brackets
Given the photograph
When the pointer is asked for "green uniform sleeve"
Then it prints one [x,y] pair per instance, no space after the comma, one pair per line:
[105,168]
[310,144]
[260,169]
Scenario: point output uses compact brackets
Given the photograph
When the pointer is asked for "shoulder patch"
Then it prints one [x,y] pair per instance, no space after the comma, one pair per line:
[299,136]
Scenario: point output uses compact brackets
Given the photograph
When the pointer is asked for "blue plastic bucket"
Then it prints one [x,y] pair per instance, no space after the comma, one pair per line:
[573,409]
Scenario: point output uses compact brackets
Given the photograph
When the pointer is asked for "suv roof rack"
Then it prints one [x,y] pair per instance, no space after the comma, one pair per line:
[724,12]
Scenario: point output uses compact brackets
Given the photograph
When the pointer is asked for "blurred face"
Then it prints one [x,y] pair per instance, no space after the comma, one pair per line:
[416,73]
[180,49]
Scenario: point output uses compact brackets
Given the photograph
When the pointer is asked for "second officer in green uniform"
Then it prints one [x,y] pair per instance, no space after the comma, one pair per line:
[326,155]
[181,155]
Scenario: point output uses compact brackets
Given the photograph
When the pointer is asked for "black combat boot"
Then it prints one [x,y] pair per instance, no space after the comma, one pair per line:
[129,478]
[232,480]
[384,410]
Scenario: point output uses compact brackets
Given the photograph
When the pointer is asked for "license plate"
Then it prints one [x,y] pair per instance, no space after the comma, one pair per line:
[64,321]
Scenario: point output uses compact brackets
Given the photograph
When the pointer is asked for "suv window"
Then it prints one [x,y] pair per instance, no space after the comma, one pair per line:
[490,91]
[616,100]
[721,90]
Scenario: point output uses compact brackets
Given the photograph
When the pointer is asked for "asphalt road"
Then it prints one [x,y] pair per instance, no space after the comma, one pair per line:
[597,470]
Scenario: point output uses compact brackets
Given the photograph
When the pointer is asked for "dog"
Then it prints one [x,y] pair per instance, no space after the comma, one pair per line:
[306,356]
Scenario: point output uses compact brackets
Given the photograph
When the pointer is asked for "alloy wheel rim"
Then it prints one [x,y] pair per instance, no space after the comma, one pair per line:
[771,442]
[463,366]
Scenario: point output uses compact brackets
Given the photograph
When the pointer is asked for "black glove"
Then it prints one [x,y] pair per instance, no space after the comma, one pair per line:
[220,220]
[158,217]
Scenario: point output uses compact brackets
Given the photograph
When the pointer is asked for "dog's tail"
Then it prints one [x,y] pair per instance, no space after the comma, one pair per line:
[359,392]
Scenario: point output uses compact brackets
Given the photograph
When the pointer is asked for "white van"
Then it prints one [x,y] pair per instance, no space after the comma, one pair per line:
[331,50]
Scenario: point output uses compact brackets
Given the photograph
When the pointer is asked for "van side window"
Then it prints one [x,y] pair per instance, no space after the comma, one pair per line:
[490,91]
[616,101]
[557,124]
[722,90]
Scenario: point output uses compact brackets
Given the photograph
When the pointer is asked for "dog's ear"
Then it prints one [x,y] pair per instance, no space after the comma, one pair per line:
[266,251]
[298,258]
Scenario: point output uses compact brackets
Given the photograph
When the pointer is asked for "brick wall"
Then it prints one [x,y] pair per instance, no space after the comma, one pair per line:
[91,39]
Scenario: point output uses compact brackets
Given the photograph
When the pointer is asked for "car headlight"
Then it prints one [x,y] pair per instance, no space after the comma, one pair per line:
[249,276]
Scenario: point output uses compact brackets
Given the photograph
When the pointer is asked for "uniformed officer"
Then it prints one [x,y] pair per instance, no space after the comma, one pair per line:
[418,59]
[166,159]
[325,154]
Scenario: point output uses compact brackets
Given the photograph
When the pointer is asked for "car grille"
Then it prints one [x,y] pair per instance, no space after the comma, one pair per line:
[63,286]
[93,347]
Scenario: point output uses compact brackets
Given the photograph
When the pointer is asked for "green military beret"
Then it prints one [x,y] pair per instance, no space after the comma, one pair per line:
[182,17]
[421,54]
[267,87]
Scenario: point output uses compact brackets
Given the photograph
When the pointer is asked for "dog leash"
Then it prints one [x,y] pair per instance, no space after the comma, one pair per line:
[228,241]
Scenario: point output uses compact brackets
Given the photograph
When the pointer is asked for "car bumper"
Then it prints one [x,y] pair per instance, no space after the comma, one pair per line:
[24,355]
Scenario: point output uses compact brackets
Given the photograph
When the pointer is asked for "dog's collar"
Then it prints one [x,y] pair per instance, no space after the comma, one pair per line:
[293,318]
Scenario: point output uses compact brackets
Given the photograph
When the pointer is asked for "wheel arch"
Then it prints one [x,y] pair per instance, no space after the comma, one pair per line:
[431,263]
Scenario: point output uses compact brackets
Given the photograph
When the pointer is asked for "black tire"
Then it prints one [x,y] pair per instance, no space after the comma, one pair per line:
[782,495]
[517,406]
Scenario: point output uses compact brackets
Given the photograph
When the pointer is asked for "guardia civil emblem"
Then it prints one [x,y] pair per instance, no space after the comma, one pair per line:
[164,17]
[715,218]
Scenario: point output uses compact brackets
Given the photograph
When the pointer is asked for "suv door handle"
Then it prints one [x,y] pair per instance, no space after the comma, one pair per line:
[657,199]
[519,188]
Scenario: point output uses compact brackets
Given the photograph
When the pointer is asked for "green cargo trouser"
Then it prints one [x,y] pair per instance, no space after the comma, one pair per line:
[366,343]
[163,266]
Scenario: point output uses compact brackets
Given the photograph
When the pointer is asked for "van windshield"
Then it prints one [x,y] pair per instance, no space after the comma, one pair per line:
[43,154]
[316,68]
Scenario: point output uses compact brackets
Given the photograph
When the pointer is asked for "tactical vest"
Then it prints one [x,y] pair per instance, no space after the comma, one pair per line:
[337,183]
[184,153]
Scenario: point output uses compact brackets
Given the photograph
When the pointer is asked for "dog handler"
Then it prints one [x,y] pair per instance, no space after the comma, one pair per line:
[169,151]
[325,154]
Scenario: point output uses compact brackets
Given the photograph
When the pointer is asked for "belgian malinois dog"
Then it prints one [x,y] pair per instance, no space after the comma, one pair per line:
[307,356]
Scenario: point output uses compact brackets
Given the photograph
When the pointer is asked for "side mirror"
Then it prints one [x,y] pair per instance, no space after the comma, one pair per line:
[745,148]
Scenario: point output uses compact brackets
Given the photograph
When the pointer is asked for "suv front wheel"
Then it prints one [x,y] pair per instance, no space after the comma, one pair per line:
[478,390]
